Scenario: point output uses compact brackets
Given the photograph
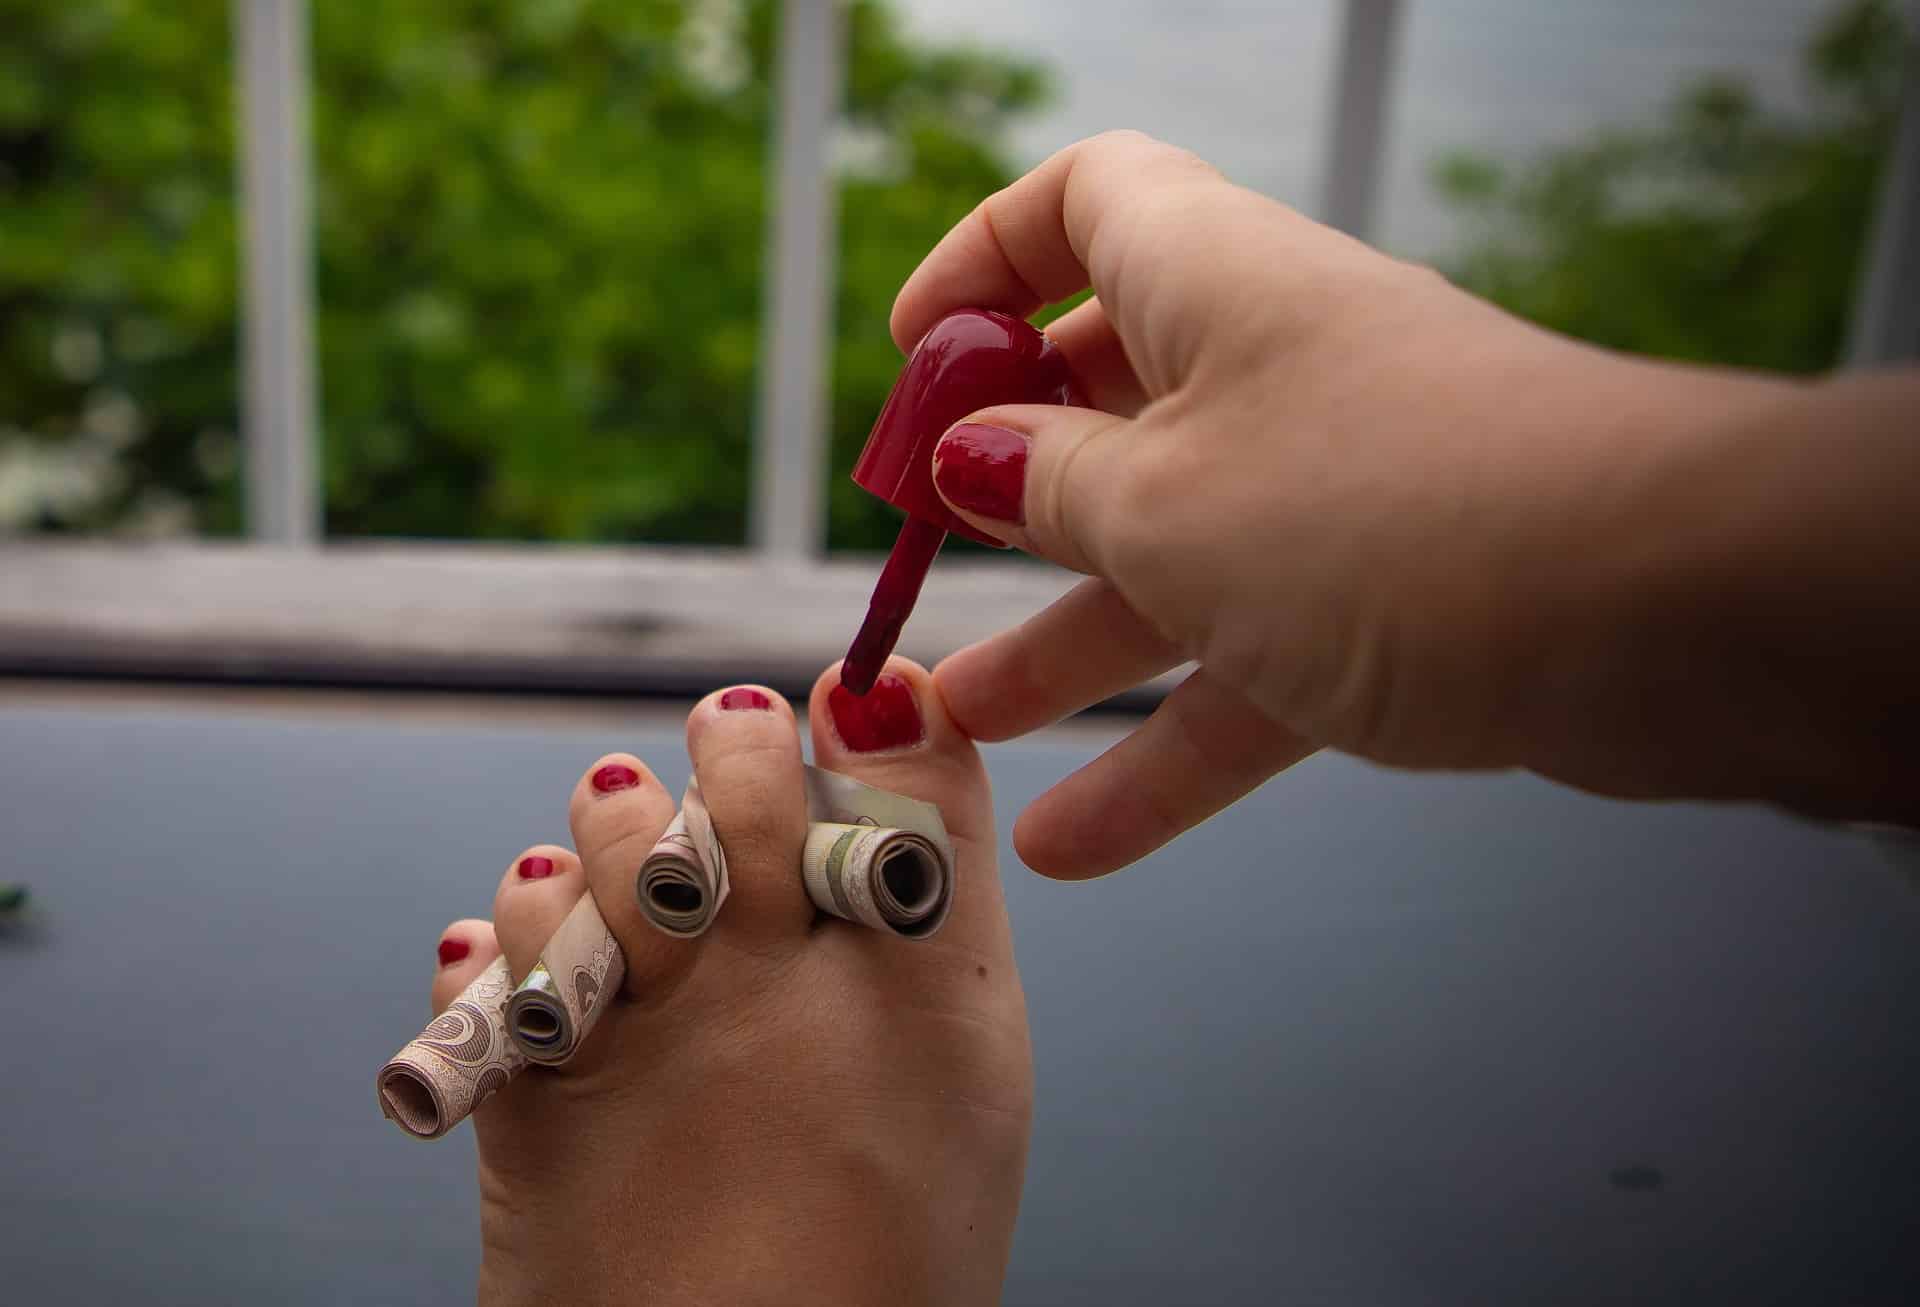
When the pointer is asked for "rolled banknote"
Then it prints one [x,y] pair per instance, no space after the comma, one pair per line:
[579,971]
[872,857]
[876,858]
[463,1055]
[683,881]
[580,967]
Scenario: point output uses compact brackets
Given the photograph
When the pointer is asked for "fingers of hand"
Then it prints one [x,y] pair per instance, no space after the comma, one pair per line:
[465,949]
[1046,479]
[1049,233]
[1203,748]
[745,748]
[1084,647]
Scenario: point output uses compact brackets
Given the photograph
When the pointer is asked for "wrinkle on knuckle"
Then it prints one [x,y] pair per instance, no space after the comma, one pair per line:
[1006,249]
[1073,507]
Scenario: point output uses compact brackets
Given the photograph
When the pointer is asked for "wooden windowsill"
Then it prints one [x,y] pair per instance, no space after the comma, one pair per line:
[640,621]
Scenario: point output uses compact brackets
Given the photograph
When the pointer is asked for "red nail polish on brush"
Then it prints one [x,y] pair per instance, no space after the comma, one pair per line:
[971,360]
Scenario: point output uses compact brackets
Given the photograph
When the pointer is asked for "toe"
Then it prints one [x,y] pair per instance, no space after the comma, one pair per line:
[898,737]
[745,748]
[466,948]
[617,813]
[537,892]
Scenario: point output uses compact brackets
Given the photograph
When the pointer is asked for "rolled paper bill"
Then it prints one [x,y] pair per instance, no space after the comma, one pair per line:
[578,973]
[880,859]
[683,881]
[872,857]
[462,1056]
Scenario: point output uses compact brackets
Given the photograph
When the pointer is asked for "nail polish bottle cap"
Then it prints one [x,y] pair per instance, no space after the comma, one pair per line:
[971,360]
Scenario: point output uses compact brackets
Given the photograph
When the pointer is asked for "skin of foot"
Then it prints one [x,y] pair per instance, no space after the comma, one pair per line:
[790,1108]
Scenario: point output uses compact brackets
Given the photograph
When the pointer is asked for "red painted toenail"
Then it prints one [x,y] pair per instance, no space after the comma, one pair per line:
[746,697]
[615,776]
[885,717]
[536,868]
[452,950]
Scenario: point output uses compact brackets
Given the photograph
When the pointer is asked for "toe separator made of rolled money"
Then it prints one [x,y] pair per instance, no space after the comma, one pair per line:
[683,881]
[560,1001]
[893,880]
[450,1068]
[879,859]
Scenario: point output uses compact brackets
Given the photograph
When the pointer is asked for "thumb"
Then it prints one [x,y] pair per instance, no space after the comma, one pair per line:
[1044,478]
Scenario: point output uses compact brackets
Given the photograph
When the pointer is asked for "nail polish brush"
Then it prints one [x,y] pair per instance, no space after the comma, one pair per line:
[970,360]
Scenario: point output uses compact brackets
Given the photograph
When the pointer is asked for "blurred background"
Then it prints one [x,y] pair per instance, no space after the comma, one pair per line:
[455,388]
[542,237]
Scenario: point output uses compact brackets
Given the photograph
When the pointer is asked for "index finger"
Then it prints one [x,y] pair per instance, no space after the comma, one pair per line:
[1051,233]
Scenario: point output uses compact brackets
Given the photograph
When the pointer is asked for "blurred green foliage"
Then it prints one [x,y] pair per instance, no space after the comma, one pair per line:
[1724,233]
[117,264]
[539,233]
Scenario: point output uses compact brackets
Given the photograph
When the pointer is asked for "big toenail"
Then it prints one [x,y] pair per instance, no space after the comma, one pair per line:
[885,717]
[615,776]
[452,950]
[536,868]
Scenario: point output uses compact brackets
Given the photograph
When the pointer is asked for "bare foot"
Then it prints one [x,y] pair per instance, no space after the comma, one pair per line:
[791,1108]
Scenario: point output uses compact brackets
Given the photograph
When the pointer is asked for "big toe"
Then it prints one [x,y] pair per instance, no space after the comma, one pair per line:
[898,737]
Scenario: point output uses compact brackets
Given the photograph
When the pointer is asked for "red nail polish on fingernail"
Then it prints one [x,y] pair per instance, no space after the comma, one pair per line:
[536,868]
[615,776]
[885,717]
[745,697]
[983,469]
[452,950]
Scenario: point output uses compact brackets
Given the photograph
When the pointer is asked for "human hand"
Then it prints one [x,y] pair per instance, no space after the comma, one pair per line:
[1363,501]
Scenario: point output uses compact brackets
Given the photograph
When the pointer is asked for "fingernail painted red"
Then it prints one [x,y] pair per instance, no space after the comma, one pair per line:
[452,950]
[745,698]
[615,776]
[983,470]
[536,868]
[885,717]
